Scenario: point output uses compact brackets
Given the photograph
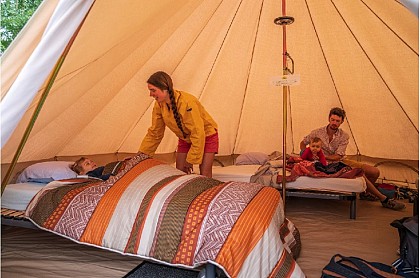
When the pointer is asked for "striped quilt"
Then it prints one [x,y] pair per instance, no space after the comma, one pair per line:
[154,211]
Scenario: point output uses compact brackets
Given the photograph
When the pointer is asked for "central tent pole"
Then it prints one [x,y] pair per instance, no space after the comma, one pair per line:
[284,21]
[283,181]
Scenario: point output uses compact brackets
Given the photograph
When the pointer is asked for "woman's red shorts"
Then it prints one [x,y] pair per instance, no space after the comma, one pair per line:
[211,145]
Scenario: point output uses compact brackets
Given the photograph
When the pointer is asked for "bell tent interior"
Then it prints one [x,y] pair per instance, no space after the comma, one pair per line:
[84,65]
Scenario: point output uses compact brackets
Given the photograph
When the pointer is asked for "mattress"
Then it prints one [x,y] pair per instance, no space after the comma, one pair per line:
[243,173]
[328,184]
[17,196]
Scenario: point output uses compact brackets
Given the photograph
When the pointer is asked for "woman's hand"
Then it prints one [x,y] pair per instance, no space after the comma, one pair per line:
[188,168]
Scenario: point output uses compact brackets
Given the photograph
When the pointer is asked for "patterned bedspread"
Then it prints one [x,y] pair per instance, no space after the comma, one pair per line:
[154,211]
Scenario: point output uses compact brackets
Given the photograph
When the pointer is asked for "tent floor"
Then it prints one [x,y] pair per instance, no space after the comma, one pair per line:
[324,227]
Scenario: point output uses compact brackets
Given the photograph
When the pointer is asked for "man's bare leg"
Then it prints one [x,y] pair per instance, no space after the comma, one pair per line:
[371,172]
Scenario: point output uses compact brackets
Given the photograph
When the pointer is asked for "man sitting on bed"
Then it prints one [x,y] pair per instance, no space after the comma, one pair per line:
[334,144]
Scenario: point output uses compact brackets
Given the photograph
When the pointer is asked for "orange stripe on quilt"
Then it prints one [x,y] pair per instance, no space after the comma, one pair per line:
[248,230]
[284,267]
[98,223]
[192,226]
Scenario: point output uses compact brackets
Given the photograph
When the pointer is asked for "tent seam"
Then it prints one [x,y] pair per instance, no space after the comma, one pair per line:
[329,71]
[247,80]
[373,65]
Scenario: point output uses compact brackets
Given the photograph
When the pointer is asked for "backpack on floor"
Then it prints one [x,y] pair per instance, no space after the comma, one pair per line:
[389,190]
[353,267]
[407,264]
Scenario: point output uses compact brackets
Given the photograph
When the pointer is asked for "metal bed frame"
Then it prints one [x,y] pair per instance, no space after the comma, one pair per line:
[352,197]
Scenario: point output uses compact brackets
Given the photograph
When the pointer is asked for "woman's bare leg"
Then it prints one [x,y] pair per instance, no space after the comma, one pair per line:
[207,164]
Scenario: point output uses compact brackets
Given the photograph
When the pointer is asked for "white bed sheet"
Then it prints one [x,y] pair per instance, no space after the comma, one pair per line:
[17,196]
[328,184]
[243,173]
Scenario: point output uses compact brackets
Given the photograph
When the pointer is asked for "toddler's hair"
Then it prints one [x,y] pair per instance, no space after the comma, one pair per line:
[316,140]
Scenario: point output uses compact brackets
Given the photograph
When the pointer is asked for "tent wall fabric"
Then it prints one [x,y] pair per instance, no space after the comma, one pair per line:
[32,75]
[22,49]
[359,55]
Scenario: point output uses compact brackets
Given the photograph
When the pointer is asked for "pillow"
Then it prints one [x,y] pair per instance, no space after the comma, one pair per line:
[56,170]
[254,158]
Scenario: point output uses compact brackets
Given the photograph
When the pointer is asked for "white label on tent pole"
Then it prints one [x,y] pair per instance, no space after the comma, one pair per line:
[286,80]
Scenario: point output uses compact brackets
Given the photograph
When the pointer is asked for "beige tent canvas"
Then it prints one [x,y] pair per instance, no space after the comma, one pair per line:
[359,55]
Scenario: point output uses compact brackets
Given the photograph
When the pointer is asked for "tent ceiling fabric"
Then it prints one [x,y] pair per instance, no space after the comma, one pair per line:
[359,55]
[20,49]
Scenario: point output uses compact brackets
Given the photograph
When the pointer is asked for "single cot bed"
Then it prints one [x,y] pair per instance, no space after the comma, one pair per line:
[17,196]
[25,186]
[303,186]
[14,201]
[155,212]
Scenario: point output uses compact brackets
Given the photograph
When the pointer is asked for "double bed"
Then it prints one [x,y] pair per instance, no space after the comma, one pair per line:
[155,212]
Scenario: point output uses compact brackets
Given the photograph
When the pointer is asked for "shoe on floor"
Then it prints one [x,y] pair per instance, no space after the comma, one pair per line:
[392,204]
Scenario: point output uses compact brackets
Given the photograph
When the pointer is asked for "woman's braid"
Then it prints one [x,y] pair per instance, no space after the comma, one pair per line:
[175,111]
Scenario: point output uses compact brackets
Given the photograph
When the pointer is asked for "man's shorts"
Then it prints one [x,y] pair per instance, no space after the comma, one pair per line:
[211,145]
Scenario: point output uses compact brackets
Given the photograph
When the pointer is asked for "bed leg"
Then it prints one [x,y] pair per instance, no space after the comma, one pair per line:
[209,271]
[353,209]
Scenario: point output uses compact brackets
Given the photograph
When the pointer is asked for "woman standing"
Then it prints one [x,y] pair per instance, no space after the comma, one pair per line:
[186,117]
